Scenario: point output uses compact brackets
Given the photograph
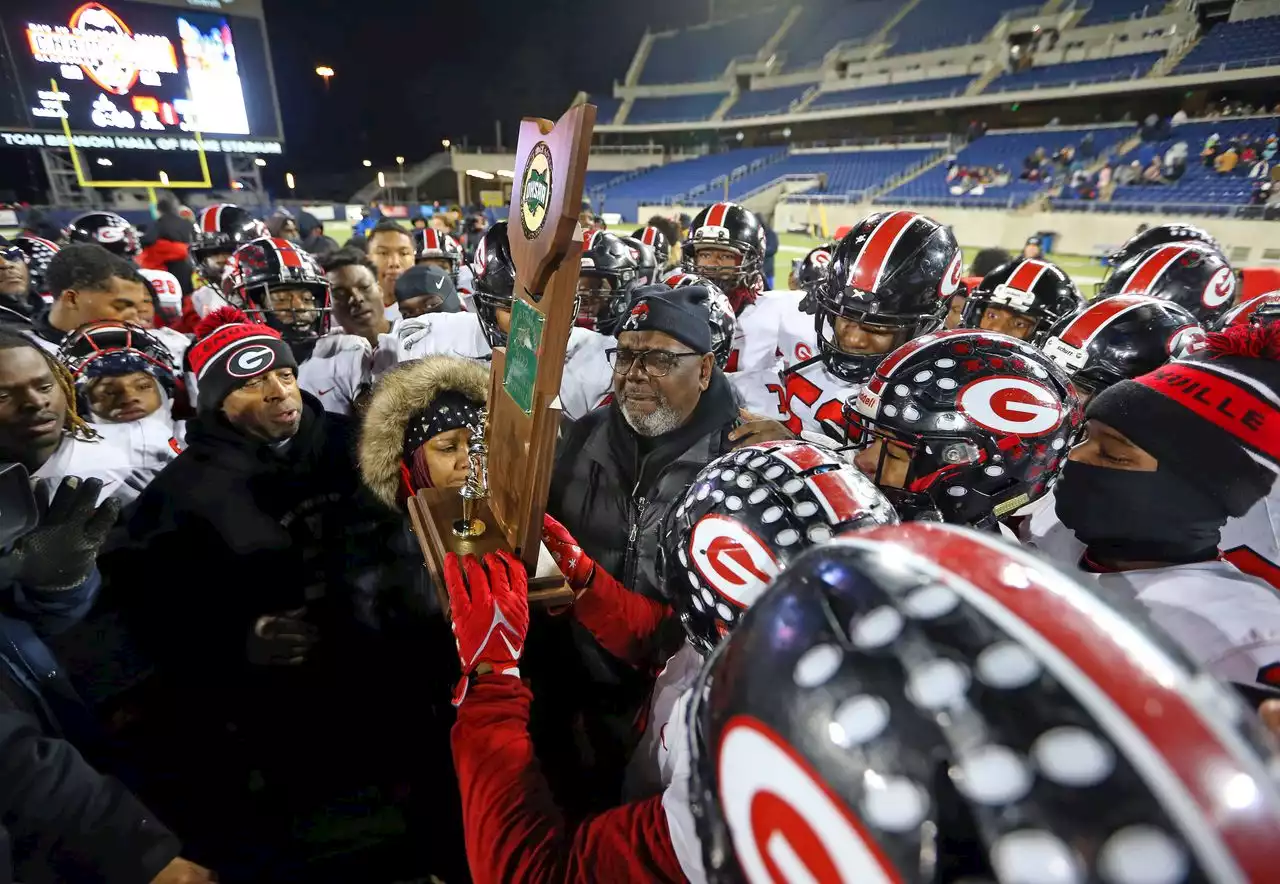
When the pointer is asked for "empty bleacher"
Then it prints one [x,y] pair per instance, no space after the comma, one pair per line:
[848,173]
[996,150]
[606,108]
[917,90]
[824,23]
[663,183]
[1240,44]
[932,24]
[1098,70]
[675,109]
[699,54]
[1103,11]
[763,102]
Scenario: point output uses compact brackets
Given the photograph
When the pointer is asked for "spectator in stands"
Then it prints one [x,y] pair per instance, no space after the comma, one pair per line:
[1179,118]
[390,249]
[1209,153]
[1226,162]
[89,283]
[1153,173]
[1105,175]
[1088,150]
[1129,174]
[1248,156]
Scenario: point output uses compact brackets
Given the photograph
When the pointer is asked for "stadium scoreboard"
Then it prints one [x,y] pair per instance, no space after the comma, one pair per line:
[138,75]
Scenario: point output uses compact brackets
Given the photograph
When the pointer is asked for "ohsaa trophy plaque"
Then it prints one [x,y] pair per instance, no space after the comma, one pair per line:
[505,497]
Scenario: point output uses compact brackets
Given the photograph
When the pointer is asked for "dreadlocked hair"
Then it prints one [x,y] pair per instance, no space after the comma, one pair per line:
[75,424]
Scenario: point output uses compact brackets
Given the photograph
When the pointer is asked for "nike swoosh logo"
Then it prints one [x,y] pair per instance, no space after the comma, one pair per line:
[440,282]
[323,392]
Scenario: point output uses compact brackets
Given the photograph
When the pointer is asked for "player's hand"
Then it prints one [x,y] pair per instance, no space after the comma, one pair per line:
[181,871]
[283,639]
[755,429]
[489,606]
[577,567]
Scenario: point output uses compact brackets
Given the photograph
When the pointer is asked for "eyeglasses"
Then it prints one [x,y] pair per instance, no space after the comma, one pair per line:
[656,363]
[13,255]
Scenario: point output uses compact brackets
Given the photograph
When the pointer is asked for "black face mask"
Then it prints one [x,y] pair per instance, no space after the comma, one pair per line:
[1138,516]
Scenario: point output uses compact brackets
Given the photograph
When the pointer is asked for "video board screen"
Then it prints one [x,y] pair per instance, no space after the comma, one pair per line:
[130,68]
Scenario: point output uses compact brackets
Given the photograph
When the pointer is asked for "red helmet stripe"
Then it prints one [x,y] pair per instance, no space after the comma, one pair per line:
[1243,314]
[1149,271]
[209,218]
[648,234]
[1147,703]
[1086,326]
[799,457]
[869,266]
[837,496]
[289,256]
[53,246]
[432,238]
[1027,275]
[715,215]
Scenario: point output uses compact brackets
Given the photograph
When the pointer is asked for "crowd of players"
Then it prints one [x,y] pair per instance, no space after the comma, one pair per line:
[911,571]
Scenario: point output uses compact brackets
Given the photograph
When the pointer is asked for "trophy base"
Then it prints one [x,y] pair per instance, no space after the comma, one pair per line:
[434,513]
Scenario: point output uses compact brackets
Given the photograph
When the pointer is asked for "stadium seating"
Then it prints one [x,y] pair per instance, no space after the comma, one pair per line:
[1239,44]
[606,107]
[1103,11]
[918,90]
[824,23]
[699,54]
[662,183]
[848,172]
[996,150]
[932,24]
[766,101]
[1199,185]
[675,109]
[1098,70]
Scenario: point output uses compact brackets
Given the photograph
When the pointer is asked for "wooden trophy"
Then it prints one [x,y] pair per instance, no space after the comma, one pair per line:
[503,503]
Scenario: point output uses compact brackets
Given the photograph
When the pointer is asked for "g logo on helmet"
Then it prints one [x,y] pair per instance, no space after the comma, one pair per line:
[1220,290]
[1011,405]
[731,559]
[1186,341]
[250,361]
[951,282]
[821,258]
[109,234]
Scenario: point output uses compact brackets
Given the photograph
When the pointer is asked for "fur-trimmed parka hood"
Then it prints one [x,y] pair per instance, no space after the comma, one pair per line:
[396,398]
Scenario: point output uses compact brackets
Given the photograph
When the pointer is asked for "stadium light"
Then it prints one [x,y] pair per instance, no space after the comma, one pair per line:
[289,181]
[399,161]
[382,179]
[506,173]
[164,177]
[259,161]
[103,161]
[366,163]
[740,136]
[325,73]
[479,173]
[786,133]
[444,142]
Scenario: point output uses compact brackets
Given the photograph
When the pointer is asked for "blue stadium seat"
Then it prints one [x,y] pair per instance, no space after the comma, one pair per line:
[676,109]
[699,54]
[918,90]
[766,101]
[1098,70]
[848,172]
[824,23]
[606,107]
[934,24]
[662,183]
[1103,11]
[1240,44]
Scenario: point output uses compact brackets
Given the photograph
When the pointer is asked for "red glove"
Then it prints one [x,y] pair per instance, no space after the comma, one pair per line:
[490,610]
[577,567]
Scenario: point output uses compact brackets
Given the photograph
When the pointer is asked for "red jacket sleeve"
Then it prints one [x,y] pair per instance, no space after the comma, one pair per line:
[159,254]
[515,834]
[622,621]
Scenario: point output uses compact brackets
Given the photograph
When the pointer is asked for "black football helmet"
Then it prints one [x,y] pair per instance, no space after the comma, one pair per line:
[261,269]
[1119,338]
[894,270]
[983,421]
[926,703]
[107,229]
[220,230]
[745,517]
[724,324]
[494,275]
[39,252]
[656,240]
[109,349]
[735,229]
[646,261]
[1255,311]
[1160,235]
[605,280]
[1192,275]
[1029,287]
[811,270]
[432,245]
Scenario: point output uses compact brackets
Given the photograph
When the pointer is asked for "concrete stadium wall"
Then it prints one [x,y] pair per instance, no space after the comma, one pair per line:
[1078,233]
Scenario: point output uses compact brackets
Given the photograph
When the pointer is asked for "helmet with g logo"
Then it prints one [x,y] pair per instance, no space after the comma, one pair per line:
[1192,275]
[270,264]
[107,229]
[983,420]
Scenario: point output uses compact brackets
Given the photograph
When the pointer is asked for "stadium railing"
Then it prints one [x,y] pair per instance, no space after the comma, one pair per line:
[1137,208]
[1265,61]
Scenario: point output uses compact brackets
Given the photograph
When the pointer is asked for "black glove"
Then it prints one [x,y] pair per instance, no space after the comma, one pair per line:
[59,552]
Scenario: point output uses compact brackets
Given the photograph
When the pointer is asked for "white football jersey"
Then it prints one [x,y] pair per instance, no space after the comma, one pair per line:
[451,334]
[652,764]
[755,340]
[206,299]
[123,470]
[174,341]
[339,367]
[814,400]
[1252,542]
[675,796]
[1226,620]
[587,381]
[760,391]
[770,334]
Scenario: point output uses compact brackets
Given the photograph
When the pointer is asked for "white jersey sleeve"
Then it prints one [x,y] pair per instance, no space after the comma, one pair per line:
[759,327]
[675,797]
[466,288]
[759,391]
[206,299]
[453,334]
[656,756]
[587,380]
[174,341]
[338,368]
[126,458]
[1252,542]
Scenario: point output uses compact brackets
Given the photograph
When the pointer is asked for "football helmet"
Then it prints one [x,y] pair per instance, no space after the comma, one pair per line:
[259,278]
[1119,338]
[432,245]
[494,275]
[895,271]
[109,349]
[724,324]
[1193,275]
[745,517]
[1258,311]
[1160,235]
[1028,287]
[732,228]
[926,703]
[166,294]
[811,270]
[646,261]
[220,230]
[107,229]
[39,252]
[656,240]
[605,280]
[983,422]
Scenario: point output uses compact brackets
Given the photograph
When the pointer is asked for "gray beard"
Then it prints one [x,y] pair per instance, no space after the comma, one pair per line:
[658,422]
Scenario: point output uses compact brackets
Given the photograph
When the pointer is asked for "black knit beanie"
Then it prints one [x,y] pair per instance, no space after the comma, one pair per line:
[683,313]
